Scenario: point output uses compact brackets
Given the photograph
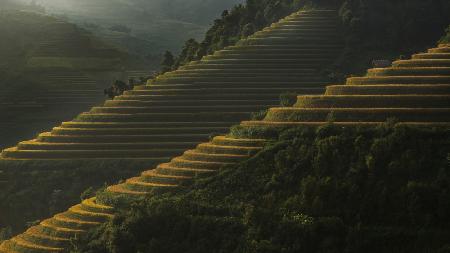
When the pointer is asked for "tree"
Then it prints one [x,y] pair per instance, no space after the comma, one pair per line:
[446,38]
[167,62]
[188,53]
[5,233]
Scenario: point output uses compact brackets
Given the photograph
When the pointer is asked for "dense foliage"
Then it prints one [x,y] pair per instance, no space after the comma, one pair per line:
[383,189]
[30,191]
[446,37]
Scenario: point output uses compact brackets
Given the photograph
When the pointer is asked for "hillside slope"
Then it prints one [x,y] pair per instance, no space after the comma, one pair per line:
[49,71]
[155,122]
[311,190]
[414,92]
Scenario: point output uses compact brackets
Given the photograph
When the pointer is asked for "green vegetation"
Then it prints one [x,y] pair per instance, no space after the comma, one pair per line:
[446,37]
[258,115]
[167,62]
[288,99]
[42,188]
[330,189]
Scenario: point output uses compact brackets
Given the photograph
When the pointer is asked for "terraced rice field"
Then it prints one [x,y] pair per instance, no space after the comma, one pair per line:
[54,234]
[416,91]
[428,109]
[179,109]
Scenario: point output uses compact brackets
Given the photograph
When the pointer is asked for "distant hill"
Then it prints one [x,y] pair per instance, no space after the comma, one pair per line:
[194,11]
[11,4]
[29,38]
[150,26]
[49,71]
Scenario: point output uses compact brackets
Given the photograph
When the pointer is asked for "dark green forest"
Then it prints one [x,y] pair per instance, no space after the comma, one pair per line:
[330,189]
[32,190]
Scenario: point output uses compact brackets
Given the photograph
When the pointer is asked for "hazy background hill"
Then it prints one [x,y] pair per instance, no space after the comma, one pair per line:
[144,28]
[50,70]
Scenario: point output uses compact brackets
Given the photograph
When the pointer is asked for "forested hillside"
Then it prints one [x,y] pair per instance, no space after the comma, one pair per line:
[382,189]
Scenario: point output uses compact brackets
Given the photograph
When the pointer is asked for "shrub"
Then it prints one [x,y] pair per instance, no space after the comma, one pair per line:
[5,233]
[88,193]
[167,62]
[259,115]
[39,189]
[288,99]
[446,37]
[253,132]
